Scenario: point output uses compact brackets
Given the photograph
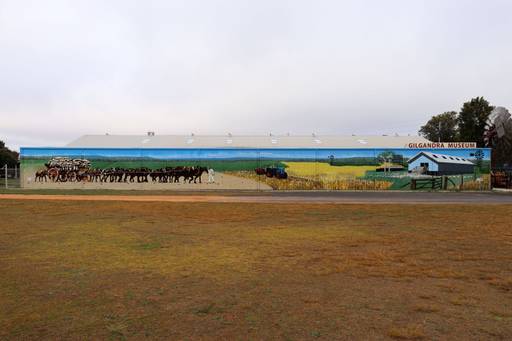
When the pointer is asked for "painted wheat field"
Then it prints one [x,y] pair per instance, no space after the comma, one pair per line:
[325,170]
[320,176]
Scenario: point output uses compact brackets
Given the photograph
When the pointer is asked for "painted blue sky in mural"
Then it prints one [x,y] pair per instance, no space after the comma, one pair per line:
[235,154]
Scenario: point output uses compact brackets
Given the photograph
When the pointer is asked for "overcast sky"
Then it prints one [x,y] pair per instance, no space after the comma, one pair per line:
[69,68]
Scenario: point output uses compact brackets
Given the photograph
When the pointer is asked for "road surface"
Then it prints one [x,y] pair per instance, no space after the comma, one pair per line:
[293,197]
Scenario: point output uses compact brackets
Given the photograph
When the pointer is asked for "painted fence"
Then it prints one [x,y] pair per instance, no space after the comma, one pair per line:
[250,169]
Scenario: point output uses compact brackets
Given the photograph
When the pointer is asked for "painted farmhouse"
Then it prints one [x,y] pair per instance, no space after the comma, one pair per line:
[432,163]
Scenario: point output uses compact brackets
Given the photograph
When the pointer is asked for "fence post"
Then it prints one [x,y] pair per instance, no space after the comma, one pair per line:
[15,171]
[5,179]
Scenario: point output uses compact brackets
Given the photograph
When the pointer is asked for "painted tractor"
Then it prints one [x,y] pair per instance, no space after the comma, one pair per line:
[272,172]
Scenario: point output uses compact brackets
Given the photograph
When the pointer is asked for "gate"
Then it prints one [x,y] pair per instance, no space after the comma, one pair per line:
[445,182]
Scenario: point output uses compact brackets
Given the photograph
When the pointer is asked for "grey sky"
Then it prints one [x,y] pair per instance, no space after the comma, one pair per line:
[74,67]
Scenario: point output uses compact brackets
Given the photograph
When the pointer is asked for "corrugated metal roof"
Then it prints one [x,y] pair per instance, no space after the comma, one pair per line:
[243,141]
[441,158]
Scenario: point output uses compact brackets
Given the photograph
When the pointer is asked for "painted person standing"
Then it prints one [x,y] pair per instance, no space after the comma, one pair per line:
[211,175]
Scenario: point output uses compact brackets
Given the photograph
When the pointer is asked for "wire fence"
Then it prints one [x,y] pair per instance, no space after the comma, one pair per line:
[9,177]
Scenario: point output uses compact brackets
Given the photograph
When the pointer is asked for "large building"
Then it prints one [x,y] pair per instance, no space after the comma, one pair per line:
[314,162]
[151,140]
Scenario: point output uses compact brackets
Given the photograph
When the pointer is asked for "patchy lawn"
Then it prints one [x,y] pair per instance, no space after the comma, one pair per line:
[135,270]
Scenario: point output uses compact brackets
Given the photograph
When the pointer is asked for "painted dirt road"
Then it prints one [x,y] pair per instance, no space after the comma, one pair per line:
[222,181]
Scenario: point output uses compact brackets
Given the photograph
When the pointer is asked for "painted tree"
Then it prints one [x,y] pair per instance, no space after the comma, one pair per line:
[386,158]
[386,155]
[331,160]
[479,157]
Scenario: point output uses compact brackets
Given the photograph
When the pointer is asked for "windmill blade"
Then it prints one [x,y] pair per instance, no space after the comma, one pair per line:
[508,126]
[500,130]
[498,115]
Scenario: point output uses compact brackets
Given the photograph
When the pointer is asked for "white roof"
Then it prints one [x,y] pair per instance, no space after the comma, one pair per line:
[442,158]
[243,141]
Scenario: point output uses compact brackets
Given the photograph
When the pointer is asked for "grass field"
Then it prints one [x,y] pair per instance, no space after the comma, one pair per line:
[127,270]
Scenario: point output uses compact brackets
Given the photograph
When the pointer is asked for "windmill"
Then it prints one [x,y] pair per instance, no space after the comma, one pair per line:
[498,135]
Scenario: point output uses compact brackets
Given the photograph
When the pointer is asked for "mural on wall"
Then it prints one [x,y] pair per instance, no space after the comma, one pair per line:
[263,169]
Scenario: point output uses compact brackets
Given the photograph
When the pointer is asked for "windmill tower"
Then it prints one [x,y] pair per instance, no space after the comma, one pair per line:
[498,136]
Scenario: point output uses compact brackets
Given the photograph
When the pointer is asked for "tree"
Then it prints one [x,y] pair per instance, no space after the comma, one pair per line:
[7,156]
[442,127]
[471,120]
[386,155]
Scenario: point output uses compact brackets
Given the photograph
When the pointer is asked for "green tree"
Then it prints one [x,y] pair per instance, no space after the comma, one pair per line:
[442,127]
[471,120]
[7,156]
[386,155]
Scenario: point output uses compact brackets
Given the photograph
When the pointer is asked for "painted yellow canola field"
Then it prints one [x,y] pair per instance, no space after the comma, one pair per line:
[323,169]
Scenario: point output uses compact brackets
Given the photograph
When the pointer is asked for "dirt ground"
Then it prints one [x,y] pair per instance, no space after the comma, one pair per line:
[209,271]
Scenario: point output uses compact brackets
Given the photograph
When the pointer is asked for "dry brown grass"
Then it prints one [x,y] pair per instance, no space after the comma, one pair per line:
[504,284]
[139,270]
[408,332]
[426,308]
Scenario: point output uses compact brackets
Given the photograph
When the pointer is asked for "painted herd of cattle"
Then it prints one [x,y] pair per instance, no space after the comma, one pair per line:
[79,170]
